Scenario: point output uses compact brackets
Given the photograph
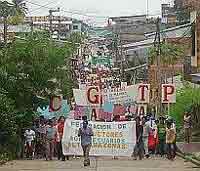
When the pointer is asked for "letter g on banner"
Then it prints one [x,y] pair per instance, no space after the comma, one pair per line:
[93,96]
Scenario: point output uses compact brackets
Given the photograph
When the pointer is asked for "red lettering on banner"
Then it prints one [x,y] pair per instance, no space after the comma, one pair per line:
[93,99]
[142,89]
[168,90]
[94,115]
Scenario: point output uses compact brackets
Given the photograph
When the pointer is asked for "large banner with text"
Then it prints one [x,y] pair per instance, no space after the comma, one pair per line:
[110,138]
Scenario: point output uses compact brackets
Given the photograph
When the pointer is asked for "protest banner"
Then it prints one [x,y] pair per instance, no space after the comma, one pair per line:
[55,103]
[168,93]
[80,97]
[141,109]
[110,138]
[122,95]
[93,95]
[143,92]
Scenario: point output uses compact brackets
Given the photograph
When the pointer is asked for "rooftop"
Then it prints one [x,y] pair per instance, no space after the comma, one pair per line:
[188,25]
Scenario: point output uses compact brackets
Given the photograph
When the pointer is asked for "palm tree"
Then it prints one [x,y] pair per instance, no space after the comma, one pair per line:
[9,10]
[170,55]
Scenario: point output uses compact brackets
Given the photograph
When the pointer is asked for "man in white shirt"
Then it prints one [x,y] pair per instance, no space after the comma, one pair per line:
[29,138]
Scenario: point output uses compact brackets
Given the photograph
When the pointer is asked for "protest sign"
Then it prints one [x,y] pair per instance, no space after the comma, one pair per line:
[143,91]
[110,138]
[80,97]
[126,94]
[168,93]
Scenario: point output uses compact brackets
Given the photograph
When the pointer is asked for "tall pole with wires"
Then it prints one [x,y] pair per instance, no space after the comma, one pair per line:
[157,44]
[147,6]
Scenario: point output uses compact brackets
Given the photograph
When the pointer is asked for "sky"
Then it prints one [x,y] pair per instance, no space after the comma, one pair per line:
[98,9]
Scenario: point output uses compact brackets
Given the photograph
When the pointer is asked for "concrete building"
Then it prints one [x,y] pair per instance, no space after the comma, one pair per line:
[168,15]
[194,6]
[174,14]
[131,28]
[13,30]
[61,25]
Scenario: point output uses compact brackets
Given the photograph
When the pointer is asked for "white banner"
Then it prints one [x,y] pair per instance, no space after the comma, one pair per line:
[110,138]
[94,96]
[127,94]
[80,97]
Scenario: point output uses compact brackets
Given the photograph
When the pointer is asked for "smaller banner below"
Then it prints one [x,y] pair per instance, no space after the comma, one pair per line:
[110,138]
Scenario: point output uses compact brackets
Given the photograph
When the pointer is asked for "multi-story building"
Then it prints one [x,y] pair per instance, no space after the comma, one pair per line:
[131,28]
[61,25]
[168,15]
[193,6]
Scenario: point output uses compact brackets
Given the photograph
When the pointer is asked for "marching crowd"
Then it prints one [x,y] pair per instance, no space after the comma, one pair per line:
[153,136]
[44,140]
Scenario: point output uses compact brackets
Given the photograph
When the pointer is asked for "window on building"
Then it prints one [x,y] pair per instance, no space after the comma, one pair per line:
[75,27]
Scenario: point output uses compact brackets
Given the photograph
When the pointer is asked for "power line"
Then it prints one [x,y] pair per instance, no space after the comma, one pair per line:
[42,7]
[70,12]
[79,13]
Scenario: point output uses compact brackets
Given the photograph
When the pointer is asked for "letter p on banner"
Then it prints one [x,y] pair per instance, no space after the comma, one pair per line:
[168,93]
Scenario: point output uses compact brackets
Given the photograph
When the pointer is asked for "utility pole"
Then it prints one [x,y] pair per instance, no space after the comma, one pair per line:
[157,44]
[147,6]
[59,27]
[51,11]
[5,29]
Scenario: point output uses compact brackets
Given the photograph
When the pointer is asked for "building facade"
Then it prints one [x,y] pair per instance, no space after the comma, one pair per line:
[131,28]
[61,25]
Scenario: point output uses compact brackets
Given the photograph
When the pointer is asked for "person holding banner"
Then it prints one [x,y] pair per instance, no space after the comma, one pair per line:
[145,137]
[139,148]
[59,135]
[86,134]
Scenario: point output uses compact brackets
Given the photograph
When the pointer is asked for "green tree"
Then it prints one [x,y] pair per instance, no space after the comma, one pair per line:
[26,68]
[170,55]
[187,100]
[11,12]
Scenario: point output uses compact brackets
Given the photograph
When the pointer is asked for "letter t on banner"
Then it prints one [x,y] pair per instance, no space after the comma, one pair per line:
[143,93]
[168,93]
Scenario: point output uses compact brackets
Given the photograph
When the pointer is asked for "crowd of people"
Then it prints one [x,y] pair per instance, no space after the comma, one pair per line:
[155,137]
[44,140]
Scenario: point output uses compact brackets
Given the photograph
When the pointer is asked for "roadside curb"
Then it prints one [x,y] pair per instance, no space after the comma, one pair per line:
[194,161]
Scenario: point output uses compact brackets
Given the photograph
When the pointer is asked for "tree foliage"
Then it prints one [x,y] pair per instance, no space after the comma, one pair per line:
[26,68]
[170,54]
[187,98]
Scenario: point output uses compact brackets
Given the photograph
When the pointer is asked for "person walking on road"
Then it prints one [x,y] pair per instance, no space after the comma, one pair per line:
[50,138]
[170,141]
[187,127]
[139,147]
[29,142]
[145,136]
[161,136]
[60,130]
[86,134]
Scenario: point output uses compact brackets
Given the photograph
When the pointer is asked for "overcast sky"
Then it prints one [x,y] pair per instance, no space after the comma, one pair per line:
[98,8]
